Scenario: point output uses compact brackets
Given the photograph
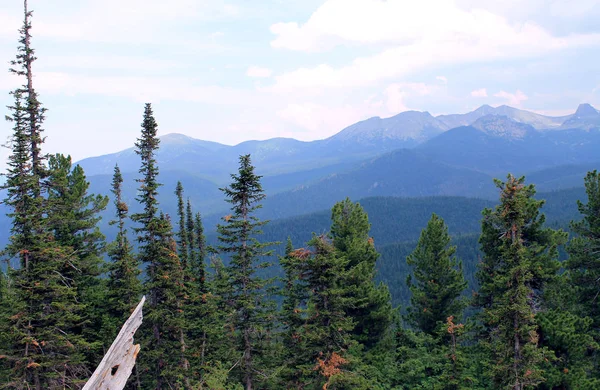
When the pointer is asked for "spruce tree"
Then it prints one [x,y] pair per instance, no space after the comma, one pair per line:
[35,113]
[123,287]
[19,180]
[292,317]
[165,324]
[45,346]
[520,257]
[73,215]
[251,314]
[324,352]
[72,218]
[370,305]
[584,252]
[183,242]
[200,250]
[437,281]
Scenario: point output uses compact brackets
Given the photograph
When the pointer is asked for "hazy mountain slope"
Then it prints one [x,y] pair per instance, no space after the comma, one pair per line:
[501,145]
[365,139]
[404,130]
[399,173]
[395,219]
[537,121]
[561,177]
[586,117]
[392,219]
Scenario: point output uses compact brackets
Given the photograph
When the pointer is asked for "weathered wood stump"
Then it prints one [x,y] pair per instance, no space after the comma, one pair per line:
[116,366]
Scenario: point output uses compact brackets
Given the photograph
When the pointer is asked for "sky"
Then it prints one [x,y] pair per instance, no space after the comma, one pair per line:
[235,70]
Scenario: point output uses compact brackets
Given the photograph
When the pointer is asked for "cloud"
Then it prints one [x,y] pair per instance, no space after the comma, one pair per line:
[443,79]
[108,62]
[397,93]
[325,118]
[140,89]
[512,99]
[256,71]
[479,93]
[321,120]
[411,38]
[114,21]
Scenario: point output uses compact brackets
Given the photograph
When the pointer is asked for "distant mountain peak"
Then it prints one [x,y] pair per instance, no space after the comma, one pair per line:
[484,108]
[502,126]
[586,109]
[176,138]
[408,127]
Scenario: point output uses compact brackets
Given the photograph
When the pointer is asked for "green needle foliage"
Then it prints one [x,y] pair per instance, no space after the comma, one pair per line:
[520,257]
[437,281]
[124,288]
[370,303]
[164,328]
[584,252]
[250,315]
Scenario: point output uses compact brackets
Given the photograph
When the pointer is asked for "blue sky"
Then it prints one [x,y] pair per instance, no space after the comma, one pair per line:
[230,71]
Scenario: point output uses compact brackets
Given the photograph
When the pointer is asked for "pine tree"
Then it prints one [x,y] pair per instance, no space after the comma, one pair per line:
[571,326]
[146,147]
[584,252]
[198,265]
[72,218]
[251,314]
[45,346]
[123,287]
[293,317]
[19,181]
[324,351]
[73,215]
[183,242]
[437,281]
[370,305]
[34,112]
[165,324]
[520,257]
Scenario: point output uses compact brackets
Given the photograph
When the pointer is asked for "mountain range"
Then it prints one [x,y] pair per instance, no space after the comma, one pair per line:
[412,154]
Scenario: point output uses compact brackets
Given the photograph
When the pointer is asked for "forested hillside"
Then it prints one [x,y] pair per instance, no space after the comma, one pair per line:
[384,258]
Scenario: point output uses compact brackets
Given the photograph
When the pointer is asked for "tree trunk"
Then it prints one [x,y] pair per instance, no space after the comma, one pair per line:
[116,366]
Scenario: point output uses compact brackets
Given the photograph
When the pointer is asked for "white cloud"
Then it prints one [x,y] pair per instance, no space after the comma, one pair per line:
[412,37]
[324,118]
[105,62]
[512,99]
[397,93]
[256,71]
[479,93]
[115,21]
[140,89]
[443,79]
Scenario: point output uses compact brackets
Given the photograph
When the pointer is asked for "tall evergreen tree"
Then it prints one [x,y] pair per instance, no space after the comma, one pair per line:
[45,346]
[165,325]
[292,317]
[437,281]
[584,252]
[323,351]
[35,113]
[200,249]
[183,242]
[72,218]
[123,287]
[520,257]
[251,314]
[371,307]
[19,181]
